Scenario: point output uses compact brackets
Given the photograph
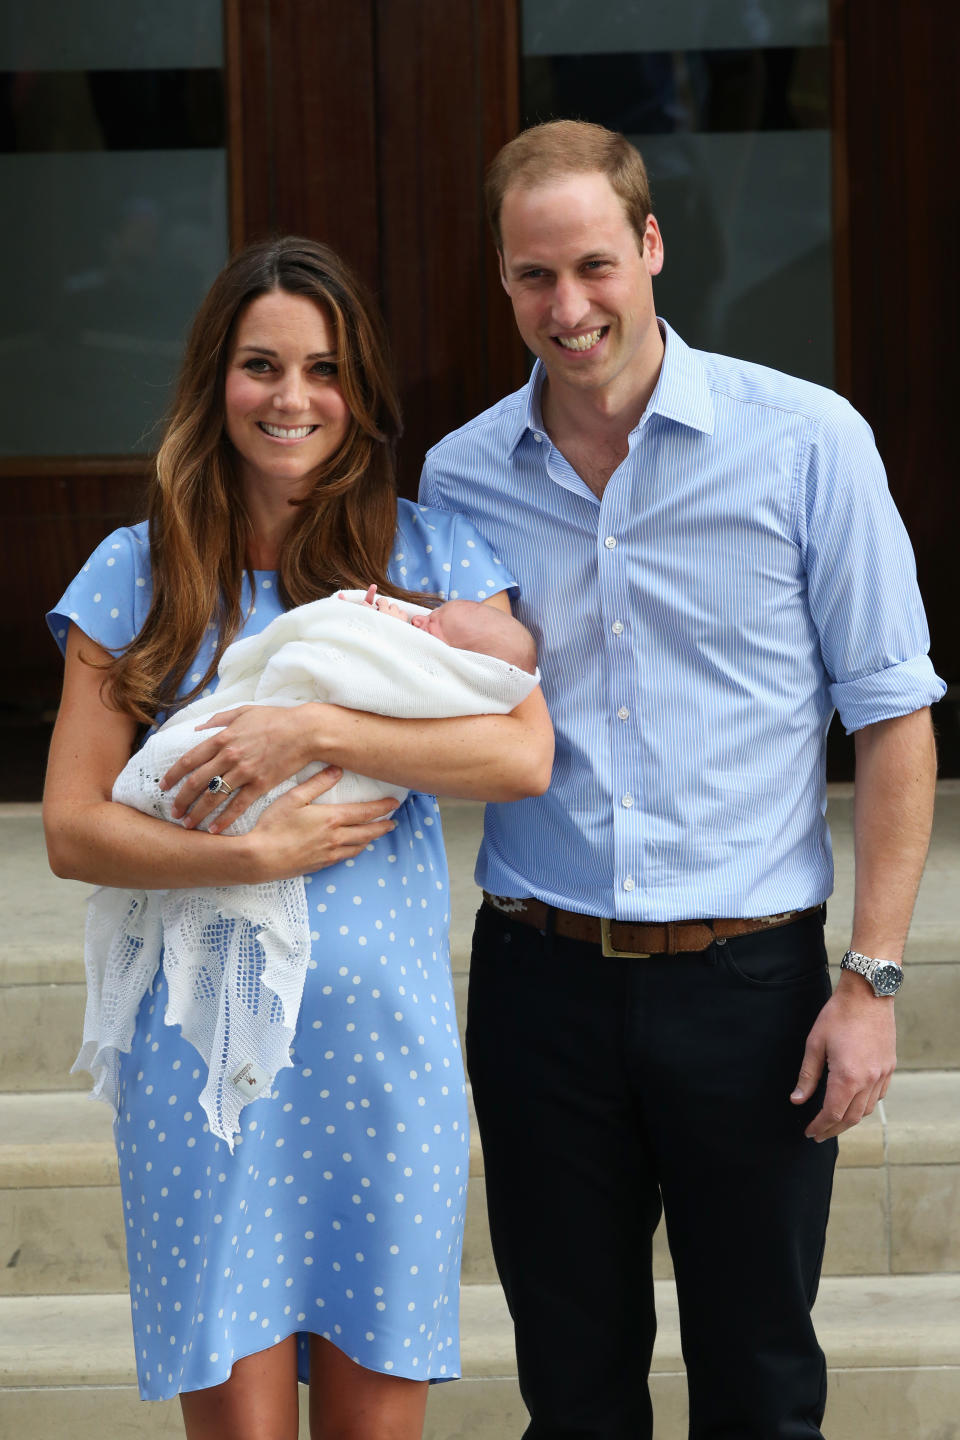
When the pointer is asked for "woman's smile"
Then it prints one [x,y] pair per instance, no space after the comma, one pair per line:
[278,432]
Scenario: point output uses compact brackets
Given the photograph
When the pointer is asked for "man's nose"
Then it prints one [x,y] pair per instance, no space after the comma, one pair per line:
[570,303]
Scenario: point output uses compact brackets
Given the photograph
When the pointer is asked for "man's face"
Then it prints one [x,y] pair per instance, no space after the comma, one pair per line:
[580,284]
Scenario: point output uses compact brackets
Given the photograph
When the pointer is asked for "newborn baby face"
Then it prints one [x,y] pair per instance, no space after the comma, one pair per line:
[465,624]
[435,623]
[431,622]
[451,622]
[468,625]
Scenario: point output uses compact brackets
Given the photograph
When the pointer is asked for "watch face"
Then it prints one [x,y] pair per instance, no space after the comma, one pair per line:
[887,978]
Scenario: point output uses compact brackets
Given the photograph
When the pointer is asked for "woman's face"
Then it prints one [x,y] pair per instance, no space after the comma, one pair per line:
[284,410]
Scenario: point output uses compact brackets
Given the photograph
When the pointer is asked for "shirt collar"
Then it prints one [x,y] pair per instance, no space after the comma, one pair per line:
[529,418]
[682,391]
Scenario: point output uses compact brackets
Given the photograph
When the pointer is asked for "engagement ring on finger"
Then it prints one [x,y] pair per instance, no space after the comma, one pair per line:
[219,786]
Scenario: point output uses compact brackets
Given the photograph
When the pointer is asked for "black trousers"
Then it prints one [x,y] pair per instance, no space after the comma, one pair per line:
[607,1088]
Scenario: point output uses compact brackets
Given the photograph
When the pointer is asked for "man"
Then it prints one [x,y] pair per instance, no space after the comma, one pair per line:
[709,559]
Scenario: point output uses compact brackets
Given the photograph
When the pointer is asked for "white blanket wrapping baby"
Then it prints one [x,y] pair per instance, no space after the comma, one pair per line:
[235,956]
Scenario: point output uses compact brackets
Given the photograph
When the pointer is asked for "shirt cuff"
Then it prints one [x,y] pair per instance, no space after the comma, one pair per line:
[897,690]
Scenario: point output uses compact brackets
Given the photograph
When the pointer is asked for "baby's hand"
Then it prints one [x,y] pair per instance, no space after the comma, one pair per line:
[368,599]
[387,607]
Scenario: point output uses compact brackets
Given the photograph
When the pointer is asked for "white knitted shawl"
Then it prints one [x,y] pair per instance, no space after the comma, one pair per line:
[235,956]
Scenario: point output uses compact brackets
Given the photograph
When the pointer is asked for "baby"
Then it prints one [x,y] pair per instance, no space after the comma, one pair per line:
[235,956]
[469,625]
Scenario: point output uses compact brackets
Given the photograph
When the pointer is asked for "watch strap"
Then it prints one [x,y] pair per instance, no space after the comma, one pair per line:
[867,966]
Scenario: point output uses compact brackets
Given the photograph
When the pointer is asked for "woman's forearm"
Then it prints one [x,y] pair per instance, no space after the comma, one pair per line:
[473,757]
[89,837]
[103,843]
[106,843]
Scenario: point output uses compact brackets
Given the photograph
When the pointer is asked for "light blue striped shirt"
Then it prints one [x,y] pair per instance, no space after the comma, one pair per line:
[745,573]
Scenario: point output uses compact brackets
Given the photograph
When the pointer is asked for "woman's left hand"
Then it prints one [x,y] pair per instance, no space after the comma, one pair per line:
[256,748]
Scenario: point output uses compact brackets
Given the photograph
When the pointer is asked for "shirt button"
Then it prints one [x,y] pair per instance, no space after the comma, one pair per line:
[628,883]
[623,713]
[537,436]
[617,627]
[626,801]
[611,542]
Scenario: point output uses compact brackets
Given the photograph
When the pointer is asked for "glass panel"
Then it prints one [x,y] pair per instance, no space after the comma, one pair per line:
[112,156]
[111,35]
[560,27]
[728,102]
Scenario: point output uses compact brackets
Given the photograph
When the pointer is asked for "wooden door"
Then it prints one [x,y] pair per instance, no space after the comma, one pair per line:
[369,126]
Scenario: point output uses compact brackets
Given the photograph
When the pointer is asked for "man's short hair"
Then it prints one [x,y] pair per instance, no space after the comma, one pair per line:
[569,147]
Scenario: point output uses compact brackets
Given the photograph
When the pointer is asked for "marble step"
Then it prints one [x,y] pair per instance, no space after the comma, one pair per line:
[892,1344]
[896,1207]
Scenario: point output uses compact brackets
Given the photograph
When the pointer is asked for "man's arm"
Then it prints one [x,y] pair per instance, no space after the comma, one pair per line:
[855,1032]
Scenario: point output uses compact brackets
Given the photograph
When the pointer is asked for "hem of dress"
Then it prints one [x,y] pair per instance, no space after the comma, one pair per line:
[302,1379]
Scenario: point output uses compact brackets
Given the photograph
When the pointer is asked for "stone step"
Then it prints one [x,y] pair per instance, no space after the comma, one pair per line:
[896,1195]
[41,966]
[61,1224]
[43,916]
[41,1020]
[41,971]
[896,1206]
[892,1343]
[41,1025]
[928,1035]
[933,935]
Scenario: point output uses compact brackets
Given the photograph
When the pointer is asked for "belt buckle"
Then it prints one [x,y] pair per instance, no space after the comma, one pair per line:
[608,948]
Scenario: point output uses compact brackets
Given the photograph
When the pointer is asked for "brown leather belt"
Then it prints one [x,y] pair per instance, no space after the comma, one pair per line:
[634,940]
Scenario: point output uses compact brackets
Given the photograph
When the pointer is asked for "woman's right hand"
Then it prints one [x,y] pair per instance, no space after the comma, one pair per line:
[294,837]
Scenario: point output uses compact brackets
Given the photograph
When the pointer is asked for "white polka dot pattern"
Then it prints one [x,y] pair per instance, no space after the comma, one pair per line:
[341,1211]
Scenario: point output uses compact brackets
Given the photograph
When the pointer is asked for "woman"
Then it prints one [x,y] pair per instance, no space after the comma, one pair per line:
[329,1243]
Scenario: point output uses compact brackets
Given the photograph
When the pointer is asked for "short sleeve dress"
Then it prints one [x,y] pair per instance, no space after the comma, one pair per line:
[341,1211]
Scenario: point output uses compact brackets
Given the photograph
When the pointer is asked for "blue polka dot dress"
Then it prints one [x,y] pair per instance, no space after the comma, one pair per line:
[341,1211]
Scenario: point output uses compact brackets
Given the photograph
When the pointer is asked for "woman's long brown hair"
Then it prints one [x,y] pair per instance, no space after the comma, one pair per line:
[343,533]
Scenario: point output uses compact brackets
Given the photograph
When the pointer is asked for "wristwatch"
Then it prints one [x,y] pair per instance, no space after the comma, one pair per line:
[886,976]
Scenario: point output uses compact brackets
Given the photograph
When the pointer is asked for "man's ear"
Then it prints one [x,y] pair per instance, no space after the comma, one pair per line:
[652,246]
[503,278]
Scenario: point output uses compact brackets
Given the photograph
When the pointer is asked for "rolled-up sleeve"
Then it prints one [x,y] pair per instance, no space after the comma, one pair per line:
[897,690]
[861,577]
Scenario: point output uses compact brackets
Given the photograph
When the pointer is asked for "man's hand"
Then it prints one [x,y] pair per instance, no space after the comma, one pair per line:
[855,1035]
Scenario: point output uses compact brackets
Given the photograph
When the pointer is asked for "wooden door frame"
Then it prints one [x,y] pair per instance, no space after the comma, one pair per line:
[896,118]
